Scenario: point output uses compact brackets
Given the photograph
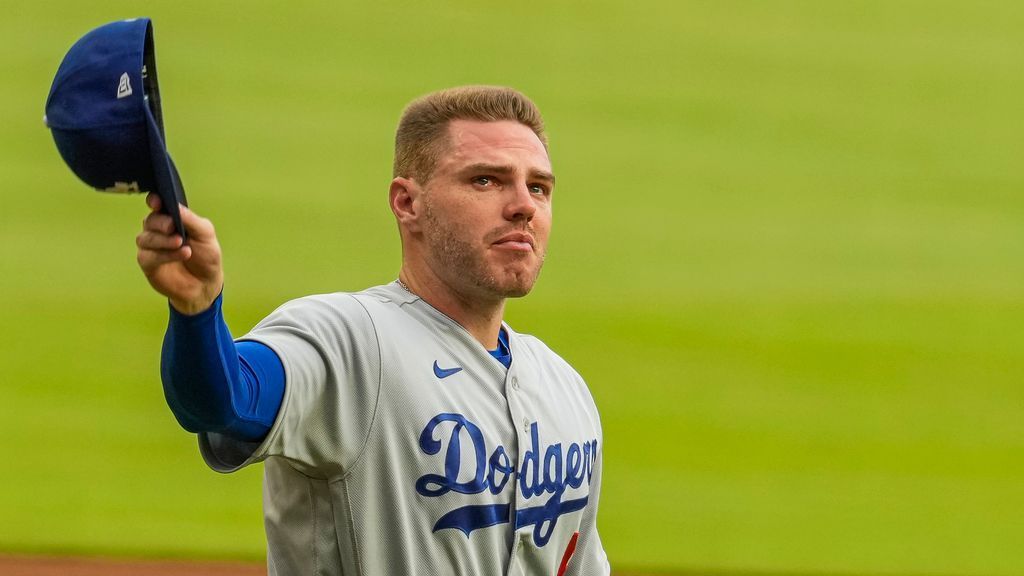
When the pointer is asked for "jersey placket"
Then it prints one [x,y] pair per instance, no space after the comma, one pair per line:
[522,421]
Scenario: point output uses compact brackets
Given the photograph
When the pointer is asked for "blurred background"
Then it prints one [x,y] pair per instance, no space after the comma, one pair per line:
[788,256]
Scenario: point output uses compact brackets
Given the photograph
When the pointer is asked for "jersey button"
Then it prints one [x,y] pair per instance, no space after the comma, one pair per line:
[526,425]
[515,383]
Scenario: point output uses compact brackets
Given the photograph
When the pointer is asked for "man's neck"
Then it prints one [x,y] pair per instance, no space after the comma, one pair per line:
[481,317]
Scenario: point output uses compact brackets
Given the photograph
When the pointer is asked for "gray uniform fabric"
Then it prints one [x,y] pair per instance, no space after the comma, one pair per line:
[386,460]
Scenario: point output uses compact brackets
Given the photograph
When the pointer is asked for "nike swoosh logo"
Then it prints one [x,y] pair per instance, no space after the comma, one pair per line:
[445,372]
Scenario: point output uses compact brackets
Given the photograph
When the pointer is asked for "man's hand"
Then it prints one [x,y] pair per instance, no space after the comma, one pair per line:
[191,276]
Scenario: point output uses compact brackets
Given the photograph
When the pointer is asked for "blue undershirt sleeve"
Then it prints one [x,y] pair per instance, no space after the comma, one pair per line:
[214,384]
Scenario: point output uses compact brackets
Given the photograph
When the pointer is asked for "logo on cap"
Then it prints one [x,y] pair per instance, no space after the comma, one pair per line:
[124,188]
[124,87]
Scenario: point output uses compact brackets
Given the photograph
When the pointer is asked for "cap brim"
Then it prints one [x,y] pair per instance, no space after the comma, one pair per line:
[165,175]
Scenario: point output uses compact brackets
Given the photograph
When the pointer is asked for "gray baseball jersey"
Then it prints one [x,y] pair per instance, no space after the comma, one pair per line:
[403,447]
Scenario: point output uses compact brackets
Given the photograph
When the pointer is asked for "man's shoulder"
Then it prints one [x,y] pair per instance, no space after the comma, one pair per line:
[342,301]
[539,351]
[331,308]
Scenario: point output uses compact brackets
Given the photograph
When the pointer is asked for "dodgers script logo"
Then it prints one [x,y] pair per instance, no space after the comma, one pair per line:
[550,474]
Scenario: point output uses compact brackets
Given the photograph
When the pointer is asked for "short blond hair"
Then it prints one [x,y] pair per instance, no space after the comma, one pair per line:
[423,129]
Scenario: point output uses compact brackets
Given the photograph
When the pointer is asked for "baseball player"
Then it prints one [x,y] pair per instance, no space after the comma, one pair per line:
[404,429]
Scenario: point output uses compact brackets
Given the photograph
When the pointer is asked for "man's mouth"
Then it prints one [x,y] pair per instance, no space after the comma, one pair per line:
[519,241]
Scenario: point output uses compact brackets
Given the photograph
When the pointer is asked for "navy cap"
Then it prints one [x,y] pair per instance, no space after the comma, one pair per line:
[104,114]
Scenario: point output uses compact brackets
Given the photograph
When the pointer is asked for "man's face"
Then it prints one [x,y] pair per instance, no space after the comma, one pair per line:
[487,209]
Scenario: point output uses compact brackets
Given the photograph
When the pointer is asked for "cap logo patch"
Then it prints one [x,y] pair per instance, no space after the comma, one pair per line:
[124,188]
[124,87]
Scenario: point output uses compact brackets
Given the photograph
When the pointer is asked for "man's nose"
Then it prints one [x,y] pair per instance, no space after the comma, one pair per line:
[521,205]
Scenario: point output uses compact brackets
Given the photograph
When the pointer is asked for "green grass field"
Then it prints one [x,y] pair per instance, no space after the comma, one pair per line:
[788,256]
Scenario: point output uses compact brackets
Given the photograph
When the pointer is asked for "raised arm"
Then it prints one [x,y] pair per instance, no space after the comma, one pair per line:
[211,383]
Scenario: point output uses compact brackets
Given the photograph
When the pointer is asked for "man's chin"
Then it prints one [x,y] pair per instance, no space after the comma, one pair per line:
[518,292]
[518,285]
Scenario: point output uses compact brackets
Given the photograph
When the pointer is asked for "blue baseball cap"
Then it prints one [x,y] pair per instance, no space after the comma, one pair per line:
[104,114]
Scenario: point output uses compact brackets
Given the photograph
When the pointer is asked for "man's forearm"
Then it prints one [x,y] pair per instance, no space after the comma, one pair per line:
[214,384]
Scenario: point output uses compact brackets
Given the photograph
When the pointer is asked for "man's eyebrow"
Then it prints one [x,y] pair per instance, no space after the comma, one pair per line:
[543,175]
[507,169]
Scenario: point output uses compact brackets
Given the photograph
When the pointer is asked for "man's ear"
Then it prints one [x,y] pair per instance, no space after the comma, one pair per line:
[404,197]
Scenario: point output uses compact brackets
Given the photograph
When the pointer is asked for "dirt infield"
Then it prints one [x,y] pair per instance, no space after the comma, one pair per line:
[54,566]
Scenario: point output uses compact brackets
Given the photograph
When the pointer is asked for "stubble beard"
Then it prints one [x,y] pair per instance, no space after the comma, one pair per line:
[466,268]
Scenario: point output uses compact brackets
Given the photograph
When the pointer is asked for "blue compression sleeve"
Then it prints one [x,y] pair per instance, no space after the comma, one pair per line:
[213,384]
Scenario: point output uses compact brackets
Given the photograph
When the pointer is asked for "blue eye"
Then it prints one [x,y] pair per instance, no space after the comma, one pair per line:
[482,180]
